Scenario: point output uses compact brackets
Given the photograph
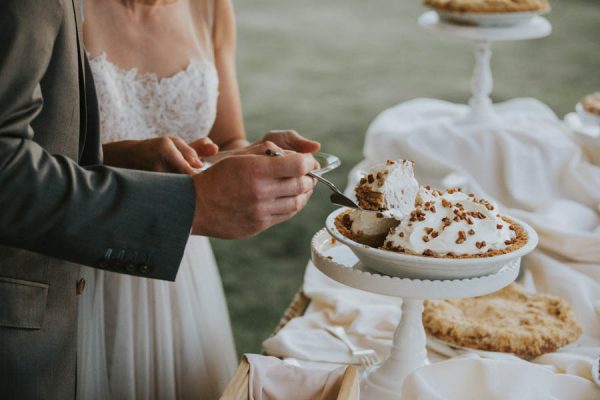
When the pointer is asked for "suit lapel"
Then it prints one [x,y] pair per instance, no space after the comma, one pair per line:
[81,69]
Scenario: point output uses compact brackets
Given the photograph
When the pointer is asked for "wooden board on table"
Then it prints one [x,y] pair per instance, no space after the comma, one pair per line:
[237,389]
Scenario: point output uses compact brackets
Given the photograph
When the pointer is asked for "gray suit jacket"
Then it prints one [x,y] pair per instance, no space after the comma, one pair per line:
[59,207]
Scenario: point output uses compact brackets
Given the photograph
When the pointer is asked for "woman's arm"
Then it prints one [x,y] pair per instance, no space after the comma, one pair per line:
[228,130]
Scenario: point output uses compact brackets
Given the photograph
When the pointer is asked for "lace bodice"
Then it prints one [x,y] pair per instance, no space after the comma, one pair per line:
[136,106]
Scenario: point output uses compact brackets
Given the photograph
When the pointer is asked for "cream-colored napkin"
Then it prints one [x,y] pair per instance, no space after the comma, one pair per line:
[273,379]
[534,169]
[473,378]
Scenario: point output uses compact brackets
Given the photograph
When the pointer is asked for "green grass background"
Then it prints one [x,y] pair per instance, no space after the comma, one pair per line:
[327,67]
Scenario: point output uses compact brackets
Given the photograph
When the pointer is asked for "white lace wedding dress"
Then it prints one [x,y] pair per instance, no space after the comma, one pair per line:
[141,338]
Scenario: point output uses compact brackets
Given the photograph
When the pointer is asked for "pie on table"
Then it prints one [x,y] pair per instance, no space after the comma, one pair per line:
[510,321]
[488,6]
[415,220]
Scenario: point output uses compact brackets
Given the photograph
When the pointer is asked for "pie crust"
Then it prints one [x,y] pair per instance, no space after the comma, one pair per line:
[488,6]
[591,103]
[509,321]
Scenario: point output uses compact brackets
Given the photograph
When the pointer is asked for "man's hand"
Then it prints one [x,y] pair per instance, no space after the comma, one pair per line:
[163,154]
[243,195]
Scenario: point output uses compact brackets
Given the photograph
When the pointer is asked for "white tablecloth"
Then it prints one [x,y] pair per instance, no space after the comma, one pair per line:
[531,166]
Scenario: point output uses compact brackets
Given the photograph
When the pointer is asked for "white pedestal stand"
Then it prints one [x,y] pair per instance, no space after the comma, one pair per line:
[408,352]
[482,82]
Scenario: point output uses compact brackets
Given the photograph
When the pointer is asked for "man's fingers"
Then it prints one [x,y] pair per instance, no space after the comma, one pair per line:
[204,147]
[285,187]
[292,165]
[289,206]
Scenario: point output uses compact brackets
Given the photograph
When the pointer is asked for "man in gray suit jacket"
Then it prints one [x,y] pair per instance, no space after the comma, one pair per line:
[61,208]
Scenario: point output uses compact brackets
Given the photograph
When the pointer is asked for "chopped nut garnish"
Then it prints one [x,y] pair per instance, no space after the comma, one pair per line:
[428,252]
[426,238]
[446,203]
[471,232]
[432,209]
[379,215]
[370,178]
[390,162]
[347,221]
[401,234]
[461,237]
[434,234]
[499,226]
[428,230]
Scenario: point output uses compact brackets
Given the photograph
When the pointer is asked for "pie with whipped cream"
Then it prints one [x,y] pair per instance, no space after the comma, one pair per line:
[488,6]
[509,321]
[424,221]
[591,103]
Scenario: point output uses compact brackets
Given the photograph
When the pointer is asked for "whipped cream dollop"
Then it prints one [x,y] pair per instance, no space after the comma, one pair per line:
[389,188]
[450,223]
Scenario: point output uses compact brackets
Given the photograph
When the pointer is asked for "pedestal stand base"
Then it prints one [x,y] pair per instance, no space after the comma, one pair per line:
[408,353]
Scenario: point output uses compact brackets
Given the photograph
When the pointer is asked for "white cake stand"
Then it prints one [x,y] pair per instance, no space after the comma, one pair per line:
[483,37]
[408,352]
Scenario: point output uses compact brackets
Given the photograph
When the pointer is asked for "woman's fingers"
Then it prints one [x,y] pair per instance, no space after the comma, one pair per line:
[204,147]
[188,153]
[292,140]
[175,158]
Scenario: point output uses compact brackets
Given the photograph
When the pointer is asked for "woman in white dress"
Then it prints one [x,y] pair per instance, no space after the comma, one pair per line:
[164,70]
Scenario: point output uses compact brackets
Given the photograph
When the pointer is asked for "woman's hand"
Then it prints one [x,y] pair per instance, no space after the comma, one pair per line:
[163,154]
[283,140]
[292,140]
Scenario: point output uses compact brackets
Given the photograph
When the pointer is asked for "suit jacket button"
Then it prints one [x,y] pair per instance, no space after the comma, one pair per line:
[145,269]
[130,267]
[80,286]
[103,264]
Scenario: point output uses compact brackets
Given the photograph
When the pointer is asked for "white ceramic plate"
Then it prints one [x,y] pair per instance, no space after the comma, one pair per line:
[421,267]
[328,163]
[488,19]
